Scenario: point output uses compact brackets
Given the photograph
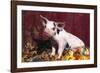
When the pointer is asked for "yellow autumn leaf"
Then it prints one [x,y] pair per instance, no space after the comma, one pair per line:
[82,57]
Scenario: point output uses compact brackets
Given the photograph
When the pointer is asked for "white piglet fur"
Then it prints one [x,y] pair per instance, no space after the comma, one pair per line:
[62,37]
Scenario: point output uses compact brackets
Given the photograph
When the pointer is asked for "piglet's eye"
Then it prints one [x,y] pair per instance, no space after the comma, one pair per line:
[53,28]
[45,26]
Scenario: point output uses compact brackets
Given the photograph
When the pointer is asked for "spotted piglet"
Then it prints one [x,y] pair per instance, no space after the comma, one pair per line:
[64,39]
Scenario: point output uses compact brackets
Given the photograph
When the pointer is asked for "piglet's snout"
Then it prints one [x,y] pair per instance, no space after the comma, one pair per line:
[46,35]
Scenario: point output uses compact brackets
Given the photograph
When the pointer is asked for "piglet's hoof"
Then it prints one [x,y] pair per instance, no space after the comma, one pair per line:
[58,58]
[51,56]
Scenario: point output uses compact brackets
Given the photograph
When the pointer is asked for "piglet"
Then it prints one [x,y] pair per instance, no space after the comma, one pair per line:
[64,39]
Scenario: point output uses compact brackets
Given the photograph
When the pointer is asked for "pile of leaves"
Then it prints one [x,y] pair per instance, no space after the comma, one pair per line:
[30,54]
[76,54]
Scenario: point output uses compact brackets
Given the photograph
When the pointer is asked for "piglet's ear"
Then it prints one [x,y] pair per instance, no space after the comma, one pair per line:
[44,20]
[60,25]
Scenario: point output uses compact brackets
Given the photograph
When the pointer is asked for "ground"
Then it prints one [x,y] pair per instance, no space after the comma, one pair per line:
[30,54]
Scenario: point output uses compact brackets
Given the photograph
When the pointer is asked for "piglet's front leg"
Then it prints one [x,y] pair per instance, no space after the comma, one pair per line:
[53,51]
[60,50]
